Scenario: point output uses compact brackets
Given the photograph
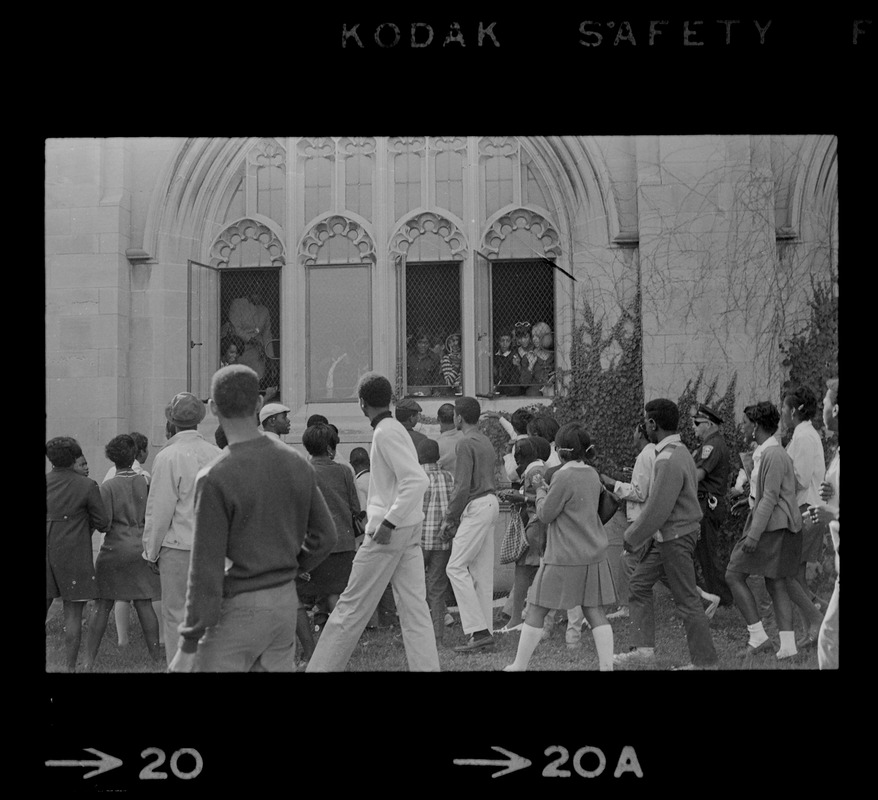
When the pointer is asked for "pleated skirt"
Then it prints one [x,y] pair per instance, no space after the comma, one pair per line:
[590,585]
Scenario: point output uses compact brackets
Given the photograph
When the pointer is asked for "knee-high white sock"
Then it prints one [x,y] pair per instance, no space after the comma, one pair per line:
[603,643]
[787,644]
[527,643]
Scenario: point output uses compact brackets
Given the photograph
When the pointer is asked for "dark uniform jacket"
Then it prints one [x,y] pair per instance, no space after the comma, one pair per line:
[712,455]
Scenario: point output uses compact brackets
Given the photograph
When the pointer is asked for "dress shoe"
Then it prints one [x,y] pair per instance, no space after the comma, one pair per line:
[640,656]
[621,613]
[806,641]
[475,644]
[748,651]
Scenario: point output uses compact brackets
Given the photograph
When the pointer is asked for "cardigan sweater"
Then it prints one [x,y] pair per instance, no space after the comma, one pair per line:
[575,535]
[258,505]
[672,508]
[775,507]
[398,482]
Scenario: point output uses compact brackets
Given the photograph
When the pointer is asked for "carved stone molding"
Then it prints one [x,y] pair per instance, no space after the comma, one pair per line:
[448,143]
[357,146]
[320,146]
[522,219]
[240,232]
[498,146]
[267,153]
[336,225]
[407,144]
[429,222]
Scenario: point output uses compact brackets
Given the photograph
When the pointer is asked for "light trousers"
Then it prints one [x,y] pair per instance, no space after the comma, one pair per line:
[174,576]
[401,563]
[827,641]
[471,566]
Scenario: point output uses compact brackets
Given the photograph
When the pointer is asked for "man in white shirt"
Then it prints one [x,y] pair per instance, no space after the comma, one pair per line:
[170,508]
[391,550]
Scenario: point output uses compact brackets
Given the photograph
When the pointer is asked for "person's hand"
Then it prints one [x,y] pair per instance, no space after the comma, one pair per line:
[607,481]
[537,481]
[305,576]
[749,545]
[627,547]
[153,565]
[826,491]
[182,662]
[739,505]
[382,534]
[820,515]
[447,530]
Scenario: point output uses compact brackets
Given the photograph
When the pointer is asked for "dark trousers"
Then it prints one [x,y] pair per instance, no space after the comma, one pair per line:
[674,560]
[707,551]
[435,562]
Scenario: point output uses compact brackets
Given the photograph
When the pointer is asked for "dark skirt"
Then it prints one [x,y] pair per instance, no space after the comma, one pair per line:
[123,574]
[777,555]
[589,585]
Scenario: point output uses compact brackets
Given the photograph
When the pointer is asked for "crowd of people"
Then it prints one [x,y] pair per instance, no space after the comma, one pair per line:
[261,559]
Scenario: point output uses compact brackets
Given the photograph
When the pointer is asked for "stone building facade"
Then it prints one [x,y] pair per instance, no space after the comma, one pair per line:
[360,244]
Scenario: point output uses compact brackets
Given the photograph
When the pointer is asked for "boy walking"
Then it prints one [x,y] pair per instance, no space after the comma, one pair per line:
[436,551]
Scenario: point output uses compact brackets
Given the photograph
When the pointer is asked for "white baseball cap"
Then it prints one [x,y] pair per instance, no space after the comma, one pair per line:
[270,410]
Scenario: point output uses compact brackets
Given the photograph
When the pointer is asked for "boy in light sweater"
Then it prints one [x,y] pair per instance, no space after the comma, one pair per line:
[669,525]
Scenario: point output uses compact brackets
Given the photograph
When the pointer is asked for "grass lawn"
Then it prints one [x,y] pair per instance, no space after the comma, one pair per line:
[382,650]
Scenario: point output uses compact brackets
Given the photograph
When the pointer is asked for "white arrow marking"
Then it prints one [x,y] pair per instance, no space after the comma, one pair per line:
[514,762]
[105,764]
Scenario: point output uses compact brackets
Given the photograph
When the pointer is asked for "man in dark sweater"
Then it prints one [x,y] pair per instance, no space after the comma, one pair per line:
[669,525]
[470,519]
[259,520]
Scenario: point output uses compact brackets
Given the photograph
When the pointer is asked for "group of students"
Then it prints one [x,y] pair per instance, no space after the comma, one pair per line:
[425,527]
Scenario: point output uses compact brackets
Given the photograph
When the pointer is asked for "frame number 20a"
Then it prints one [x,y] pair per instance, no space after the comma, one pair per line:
[152,771]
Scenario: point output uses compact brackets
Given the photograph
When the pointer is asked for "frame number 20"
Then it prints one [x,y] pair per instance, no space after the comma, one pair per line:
[151,771]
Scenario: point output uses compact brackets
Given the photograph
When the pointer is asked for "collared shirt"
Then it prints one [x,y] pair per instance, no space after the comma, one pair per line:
[170,509]
[474,475]
[771,441]
[436,500]
[806,450]
[636,492]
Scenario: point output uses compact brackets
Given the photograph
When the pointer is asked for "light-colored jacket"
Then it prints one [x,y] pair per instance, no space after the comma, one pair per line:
[776,507]
[637,491]
[170,510]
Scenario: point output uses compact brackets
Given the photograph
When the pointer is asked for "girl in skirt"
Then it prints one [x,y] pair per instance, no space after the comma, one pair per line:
[574,569]
[771,544]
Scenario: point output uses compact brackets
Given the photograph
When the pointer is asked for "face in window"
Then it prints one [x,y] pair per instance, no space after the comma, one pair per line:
[524,340]
[454,344]
[423,345]
[231,354]
[81,466]
[505,343]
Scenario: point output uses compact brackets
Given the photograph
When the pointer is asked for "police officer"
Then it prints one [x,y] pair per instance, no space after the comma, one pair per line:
[712,469]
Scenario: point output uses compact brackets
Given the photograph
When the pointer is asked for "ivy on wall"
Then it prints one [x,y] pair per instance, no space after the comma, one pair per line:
[603,388]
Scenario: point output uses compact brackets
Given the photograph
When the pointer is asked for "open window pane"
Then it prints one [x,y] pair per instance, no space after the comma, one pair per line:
[523,315]
[433,335]
[339,344]
[250,323]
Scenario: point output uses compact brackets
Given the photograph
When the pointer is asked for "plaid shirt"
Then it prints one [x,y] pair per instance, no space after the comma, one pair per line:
[436,500]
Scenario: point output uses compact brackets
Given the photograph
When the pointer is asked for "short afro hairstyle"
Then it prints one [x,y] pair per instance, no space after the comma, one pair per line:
[428,451]
[802,401]
[319,438]
[468,409]
[121,450]
[520,419]
[764,415]
[315,419]
[62,451]
[543,425]
[375,390]
[445,414]
[140,441]
[359,457]
[235,390]
[664,412]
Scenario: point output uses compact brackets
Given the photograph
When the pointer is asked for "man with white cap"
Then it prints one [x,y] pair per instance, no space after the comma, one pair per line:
[274,420]
[170,510]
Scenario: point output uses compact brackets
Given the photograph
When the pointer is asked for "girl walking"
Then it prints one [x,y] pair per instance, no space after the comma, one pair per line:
[574,569]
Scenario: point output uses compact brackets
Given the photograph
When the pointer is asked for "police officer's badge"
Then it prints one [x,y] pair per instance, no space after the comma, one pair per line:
[706,451]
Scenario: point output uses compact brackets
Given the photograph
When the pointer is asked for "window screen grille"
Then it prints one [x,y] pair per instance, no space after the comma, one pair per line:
[432,315]
[250,323]
[523,292]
